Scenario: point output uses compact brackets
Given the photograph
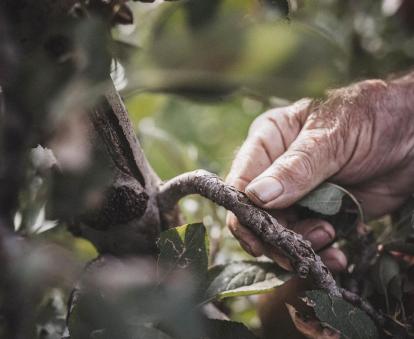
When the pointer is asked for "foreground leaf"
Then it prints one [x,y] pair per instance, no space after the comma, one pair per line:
[244,278]
[351,322]
[311,328]
[336,205]
[222,329]
[133,332]
[184,248]
[122,299]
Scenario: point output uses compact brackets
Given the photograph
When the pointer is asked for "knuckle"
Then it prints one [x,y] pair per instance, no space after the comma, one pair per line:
[257,123]
[302,164]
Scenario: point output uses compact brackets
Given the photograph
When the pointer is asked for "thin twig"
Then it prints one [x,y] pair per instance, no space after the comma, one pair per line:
[356,300]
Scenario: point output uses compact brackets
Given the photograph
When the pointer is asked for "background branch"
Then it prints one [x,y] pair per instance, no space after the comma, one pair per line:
[127,220]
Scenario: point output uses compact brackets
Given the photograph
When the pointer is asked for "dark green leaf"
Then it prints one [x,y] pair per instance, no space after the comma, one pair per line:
[385,270]
[400,246]
[133,332]
[116,296]
[350,321]
[403,228]
[221,329]
[201,12]
[51,316]
[283,6]
[311,328]
[335,204]
[184,248]
[244,278]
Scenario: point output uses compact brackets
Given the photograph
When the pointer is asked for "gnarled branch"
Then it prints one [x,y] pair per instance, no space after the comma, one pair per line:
[300,253]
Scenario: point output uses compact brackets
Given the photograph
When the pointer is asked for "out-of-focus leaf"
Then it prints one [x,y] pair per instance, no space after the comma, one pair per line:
[41,224]
[351,322]
[43,158]
[123,50]
[220,329]
[167,154]
[395,287]
[244,278]
[134,332]
[280,5]
[184,248]
[385,270]
[403,227]
[123,15]
[336,205]
[51,316]
[400,247]
[311,328]
[118,295]
[201,12]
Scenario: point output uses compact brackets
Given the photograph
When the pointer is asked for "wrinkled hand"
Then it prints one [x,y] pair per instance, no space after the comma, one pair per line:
[360,137]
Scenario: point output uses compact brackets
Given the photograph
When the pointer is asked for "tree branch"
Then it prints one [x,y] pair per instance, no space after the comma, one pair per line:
[112,123]
[300,253]
[127,221]
[302,257]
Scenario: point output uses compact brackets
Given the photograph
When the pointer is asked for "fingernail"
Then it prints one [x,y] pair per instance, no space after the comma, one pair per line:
[265,189]
[319,237]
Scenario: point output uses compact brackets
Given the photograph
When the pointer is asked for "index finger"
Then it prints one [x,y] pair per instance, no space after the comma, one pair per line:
[269,137]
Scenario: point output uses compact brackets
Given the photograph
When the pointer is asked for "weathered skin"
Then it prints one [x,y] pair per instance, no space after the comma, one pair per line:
[361,137]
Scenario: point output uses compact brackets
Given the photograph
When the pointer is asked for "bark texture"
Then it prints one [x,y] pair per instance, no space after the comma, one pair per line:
[300,253]
[127,220]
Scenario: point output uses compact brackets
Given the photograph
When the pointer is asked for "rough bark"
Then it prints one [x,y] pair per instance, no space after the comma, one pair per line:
[128,220]
[300,253]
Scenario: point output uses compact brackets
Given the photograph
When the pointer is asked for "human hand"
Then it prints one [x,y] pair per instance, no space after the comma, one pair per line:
[360,137]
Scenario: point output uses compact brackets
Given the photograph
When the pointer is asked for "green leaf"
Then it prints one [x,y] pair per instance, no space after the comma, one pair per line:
[132,332]
[385,270]
[220,329]
[184,248]
[311,328]
[326,199]
[403,228]
[350,321]
[280,5]
[201,13]
[244,278]
[335,204]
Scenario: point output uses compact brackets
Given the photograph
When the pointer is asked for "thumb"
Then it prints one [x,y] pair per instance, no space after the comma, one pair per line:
[310,160]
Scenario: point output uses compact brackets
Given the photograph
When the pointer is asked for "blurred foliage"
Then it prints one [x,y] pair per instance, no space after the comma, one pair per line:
[122,298]
[194,76]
